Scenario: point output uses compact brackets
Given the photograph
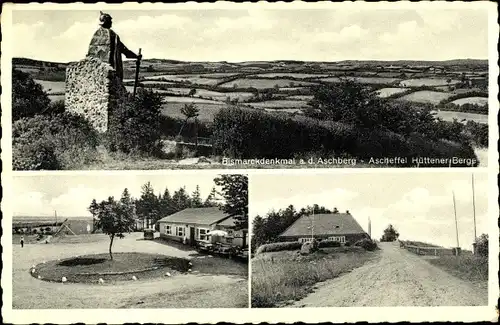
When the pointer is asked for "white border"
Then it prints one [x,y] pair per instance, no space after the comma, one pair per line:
[288,315]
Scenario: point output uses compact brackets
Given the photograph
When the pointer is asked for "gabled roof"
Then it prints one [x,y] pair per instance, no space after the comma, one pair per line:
[205,216]
[324,224]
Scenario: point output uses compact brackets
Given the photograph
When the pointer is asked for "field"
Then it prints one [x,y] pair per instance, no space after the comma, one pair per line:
[194,79]
[263,83]
[460,116]
[363,80]
[280,278]
[471,100]
[426,96]
[279,104]
[386,92]
[427,82]
[291,75]
[207,111]
[218,283]
[52,87]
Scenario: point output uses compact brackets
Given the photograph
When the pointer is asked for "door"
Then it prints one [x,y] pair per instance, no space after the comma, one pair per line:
[191,236]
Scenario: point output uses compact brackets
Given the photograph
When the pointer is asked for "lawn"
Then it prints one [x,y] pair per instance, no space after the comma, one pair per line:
[471,100]
[427,82]
[264,83]
[279,278]
[426,96]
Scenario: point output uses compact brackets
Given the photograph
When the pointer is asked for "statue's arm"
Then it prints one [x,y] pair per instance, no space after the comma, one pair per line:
[129,54]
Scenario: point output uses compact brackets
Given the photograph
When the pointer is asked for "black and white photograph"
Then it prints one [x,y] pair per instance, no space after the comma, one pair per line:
[339,241]
[249,88]
[82,242]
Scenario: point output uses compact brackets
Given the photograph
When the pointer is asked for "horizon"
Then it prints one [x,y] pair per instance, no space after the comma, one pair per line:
[257,34]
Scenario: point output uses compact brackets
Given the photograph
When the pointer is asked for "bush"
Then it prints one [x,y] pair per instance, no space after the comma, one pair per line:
[329,243]
[482,245]
[245,133]
[28,97]
[61,141]
[367,244]
[135,126]
[347,243]
[281,246]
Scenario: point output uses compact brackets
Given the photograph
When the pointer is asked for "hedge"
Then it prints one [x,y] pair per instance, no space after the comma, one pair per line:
[367,244]
[281,246]
[247,133]
[328,243]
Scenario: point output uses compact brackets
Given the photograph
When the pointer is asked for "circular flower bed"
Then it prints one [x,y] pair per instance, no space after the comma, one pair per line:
[100,269]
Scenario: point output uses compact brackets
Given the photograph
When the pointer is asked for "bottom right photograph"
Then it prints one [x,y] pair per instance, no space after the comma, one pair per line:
[369,239]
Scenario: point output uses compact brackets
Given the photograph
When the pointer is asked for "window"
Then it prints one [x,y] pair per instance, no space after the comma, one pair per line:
[340,239]
[168,229]
[229,240]
[179,231]
[203,233]
[305,240]
[230,232]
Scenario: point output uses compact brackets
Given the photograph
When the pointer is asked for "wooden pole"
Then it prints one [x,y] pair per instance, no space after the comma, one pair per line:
[456,220]
[474,208]
[137,65]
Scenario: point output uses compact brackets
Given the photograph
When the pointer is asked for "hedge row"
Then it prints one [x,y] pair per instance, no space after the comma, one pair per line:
[246,133]
[328,243]
[367,244]
[281,246]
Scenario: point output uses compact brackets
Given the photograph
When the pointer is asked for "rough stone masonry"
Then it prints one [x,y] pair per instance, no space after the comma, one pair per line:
[93,90]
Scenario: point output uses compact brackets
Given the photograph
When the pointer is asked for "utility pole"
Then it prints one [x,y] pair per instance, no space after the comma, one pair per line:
[456,221]
[369,227]
[474,208]
[312,224]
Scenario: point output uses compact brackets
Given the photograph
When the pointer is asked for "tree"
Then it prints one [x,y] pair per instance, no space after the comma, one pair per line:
[196,198]
[235,192]
[147,207]
[166,204]
[181,199]
[482,245]
[114,219]
[189,111]
[390,234]
[210,201]
[28,97]
[93,209]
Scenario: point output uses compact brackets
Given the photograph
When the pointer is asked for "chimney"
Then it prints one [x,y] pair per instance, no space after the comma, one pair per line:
[347,212]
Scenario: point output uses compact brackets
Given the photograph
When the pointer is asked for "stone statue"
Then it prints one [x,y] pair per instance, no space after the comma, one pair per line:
[107,47]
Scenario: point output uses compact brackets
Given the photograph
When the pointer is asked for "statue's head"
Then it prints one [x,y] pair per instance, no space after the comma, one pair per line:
[105,20]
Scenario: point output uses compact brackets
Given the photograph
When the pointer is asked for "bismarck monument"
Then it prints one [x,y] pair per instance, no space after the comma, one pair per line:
[94,85]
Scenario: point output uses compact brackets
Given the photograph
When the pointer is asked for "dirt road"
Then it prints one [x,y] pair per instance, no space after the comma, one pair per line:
[398,278]
[179,291]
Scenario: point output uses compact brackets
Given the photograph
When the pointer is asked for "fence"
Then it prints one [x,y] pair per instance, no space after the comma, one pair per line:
[431,251]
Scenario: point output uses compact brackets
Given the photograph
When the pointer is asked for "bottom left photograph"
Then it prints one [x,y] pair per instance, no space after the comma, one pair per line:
[175,240]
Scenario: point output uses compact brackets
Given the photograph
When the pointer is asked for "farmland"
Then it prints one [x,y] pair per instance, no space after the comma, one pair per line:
[426,96]
[263,83]
[471,100]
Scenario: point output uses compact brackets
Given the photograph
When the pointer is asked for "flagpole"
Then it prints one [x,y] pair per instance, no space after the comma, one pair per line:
[474,208]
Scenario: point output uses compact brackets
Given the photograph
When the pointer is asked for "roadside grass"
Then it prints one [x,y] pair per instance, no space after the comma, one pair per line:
[468,267]
[280,278]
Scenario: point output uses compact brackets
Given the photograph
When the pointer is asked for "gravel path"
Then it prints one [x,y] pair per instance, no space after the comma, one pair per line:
[398,278]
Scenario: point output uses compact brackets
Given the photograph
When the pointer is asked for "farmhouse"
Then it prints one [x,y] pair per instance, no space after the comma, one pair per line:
[195,224]
[341,227]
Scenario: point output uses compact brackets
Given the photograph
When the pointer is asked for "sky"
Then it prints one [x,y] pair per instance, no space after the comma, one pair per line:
[418,205]
[261,34]
[70,195]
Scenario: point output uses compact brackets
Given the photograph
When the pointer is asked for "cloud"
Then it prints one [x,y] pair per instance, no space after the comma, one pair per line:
[352,33]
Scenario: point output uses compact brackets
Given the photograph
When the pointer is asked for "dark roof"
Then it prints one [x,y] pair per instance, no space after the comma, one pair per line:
[229,222]
[205,216]
[325,224]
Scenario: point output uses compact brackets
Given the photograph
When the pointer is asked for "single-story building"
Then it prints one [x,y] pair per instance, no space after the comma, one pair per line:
[341,227]
[43,224]
[195,224]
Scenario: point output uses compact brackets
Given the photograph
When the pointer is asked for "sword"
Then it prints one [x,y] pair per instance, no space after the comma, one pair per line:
[137,66]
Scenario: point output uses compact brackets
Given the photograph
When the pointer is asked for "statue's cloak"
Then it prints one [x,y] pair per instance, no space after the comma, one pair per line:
[107,47]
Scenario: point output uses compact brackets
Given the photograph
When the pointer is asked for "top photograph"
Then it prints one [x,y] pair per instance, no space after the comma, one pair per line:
[248,87]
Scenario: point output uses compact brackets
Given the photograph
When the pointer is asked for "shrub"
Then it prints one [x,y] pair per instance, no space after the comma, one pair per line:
[328,243]
[61,141]
[347,243]
[281,246]
[367,244]
[482,245]
[28,97]
[245,133]
[135,125]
